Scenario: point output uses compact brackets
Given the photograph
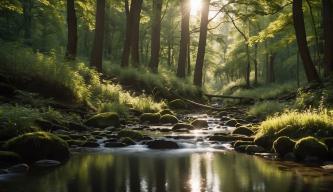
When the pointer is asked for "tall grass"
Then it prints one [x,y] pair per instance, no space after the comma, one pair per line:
[267,108]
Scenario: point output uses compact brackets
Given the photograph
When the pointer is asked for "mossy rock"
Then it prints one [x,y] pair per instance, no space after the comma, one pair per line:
[166,112]
[226,138]
[169,119]
[310,147]
[264,141]
[9,158]
[184,126]
[39,145]
[150,118]
[178,104]
[243,131]
[127,141]
[104,120]
[231,122]
[198,123]
[283,145]
[328,142]
[240,143]
[135,135]
[251,149]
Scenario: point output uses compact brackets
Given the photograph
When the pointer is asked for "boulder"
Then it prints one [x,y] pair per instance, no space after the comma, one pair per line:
[127,141]
[135,135]
[264,141]
[103,120]
[47,163]
[150,118]
[198,123]
[310,147]
[182,126]
[240,143]
[166,112]
[177,104]
[114,144]
[243,131]
[91,144]
[283,145]
[251,149]
[39,145]
[166,119]
[19,168]
[162,144]
[231,123]
[9,158]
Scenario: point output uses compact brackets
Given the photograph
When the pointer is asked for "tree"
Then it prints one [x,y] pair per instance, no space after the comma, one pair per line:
[184,39]
[27,15]
[298,18]
[97,51]
[202,44]
[72,31]
[127,41]
[328,31]
[155,36]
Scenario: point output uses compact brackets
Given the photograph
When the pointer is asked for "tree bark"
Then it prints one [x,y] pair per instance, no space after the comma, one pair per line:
[127,41]
[72,31]
[255,64]
[185,32]
[298,17]
[27,15]
[271,74]
[328,32]
[135,31]
[155,36]
[202,44]
[97,51]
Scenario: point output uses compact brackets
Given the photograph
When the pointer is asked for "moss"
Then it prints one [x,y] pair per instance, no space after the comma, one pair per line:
[8,157]
[166,112]
[178,104]
[39,145]
[283,145]
[264,141]
[169,119]
[198,123]
[179,126]
[310,147]
[243,131]
[127,141]
[103,120]
[150,118]
[135,135]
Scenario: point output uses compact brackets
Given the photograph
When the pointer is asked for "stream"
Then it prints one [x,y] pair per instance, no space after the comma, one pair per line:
[199,165]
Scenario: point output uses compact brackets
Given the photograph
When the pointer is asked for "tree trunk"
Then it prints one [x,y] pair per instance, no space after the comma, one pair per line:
[185,32]
[127,41]
[155,36]
[189,56]
[97,51]
[310,70]
[248,65]
[202,44]
[328,32]
[27,15]
[271,74]
[72,31]
[255,64]
[135,31]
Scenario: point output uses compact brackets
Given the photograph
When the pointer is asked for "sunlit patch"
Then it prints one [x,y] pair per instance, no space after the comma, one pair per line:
[196,7]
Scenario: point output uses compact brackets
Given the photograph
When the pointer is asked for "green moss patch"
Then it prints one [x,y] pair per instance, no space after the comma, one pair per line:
[283,145]
[103,120]
[310,147]
[135,135]
[169,119]
[150,118]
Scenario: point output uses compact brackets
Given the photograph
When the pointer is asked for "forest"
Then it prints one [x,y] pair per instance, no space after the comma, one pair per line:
[166,95]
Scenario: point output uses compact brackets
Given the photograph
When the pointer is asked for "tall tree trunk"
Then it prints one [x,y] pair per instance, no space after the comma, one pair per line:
[310,70]
[72,31]
[248,65]
[97,51]
[135,31]
[127,41]
[271,74]
[202,44]
[27,15]
[155,36]
[328,32]
[189,56]
[255,64]
[185,32]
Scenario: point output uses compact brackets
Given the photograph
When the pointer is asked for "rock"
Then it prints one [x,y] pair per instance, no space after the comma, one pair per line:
[283,145]
[310,147]
[240,143]
[162,144]
[104,120]
[166,119]
[166,112]
[47,163]
[150,118]
[243,131]
[199,123]
[231,123]
[127,141]
[251,149]
[91,144]
[264,141]
[226,138]
[114,144]
[178,104]
[9,158]
[39,145]
[76,142]
[328,142]
[289,156]
[77,126]
[182,126]
[48,125]
[135,135]
[19,168]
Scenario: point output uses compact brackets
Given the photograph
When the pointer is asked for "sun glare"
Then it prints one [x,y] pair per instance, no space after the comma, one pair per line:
[195,7]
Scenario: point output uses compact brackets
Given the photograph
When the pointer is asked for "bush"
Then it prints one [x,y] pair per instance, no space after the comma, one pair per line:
[39,145]
[267,108]
[169,119]
[283,145]
[103,120]
[135,135]
[310,147]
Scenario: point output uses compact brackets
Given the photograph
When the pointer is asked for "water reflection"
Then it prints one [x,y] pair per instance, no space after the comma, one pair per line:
[175,172]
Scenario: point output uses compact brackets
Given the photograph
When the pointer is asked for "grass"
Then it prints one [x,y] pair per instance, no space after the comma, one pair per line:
[266,108]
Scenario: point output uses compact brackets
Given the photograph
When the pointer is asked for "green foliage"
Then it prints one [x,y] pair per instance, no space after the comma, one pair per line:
[39,145]
[267,108]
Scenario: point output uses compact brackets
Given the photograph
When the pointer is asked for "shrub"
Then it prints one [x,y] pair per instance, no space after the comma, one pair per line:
[310,147]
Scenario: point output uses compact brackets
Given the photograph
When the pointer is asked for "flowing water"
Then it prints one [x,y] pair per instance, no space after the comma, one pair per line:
[196,167]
